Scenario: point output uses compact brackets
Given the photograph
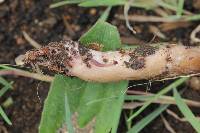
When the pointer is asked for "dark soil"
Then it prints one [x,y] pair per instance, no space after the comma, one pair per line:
[45,25]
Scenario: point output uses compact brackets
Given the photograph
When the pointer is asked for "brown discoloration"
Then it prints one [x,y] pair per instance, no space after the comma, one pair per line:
[136,63]
[137,57]
[105,60]
[145,50]
[55,56]
[170,46]
[95,46]
[122,51]
[86,55]
[188,47]
[83,50]
[169,58]
[115,62]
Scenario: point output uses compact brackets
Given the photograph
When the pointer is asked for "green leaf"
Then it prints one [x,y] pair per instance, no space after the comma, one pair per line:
[4,116]
[105,14]
[146,120]
[92,3]
[102,33]
[86,111]
[186,111]
[180,7]
[75,88]
[109,114]
[59,103]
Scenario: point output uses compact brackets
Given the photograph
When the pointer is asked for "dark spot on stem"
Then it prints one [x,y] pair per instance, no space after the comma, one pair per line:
[115,62]
[105,60]
[145,50]
[86,55]
[136,63]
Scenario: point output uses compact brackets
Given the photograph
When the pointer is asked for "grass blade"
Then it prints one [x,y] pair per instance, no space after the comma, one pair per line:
[180,8]
[186,111]
[162,92]
[5,117]
[3,90]
[105,15]
[68,121]
[5,83]
[57,109]
[146,120]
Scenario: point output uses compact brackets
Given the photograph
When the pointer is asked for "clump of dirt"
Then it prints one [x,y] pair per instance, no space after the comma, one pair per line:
[137,57]
[145,50]
[135,63]
[85,54]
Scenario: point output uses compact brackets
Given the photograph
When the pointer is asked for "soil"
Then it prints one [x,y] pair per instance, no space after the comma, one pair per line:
[70,22]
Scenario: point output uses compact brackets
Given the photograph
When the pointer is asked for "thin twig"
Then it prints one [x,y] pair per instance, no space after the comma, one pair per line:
[68,27]
[175,25]
[156,31]
[132,40]
[27,74]
[161,12]
[30,40]
[141,18]
[132,105]
[167,125]
[173,114]
[126,9]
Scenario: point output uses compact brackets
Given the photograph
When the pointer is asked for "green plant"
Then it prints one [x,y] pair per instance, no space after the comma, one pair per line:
[4,89]
[94,35]
[103,101]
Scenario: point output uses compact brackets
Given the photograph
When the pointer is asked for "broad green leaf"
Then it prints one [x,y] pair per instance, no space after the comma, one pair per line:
[75,88]
[108,117]
[87,111]
[146,120]
[59,103]
[4,116]
[104,34]
[186,111]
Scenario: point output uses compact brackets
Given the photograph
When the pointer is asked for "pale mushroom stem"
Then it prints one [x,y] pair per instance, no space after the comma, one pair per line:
[144,62]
